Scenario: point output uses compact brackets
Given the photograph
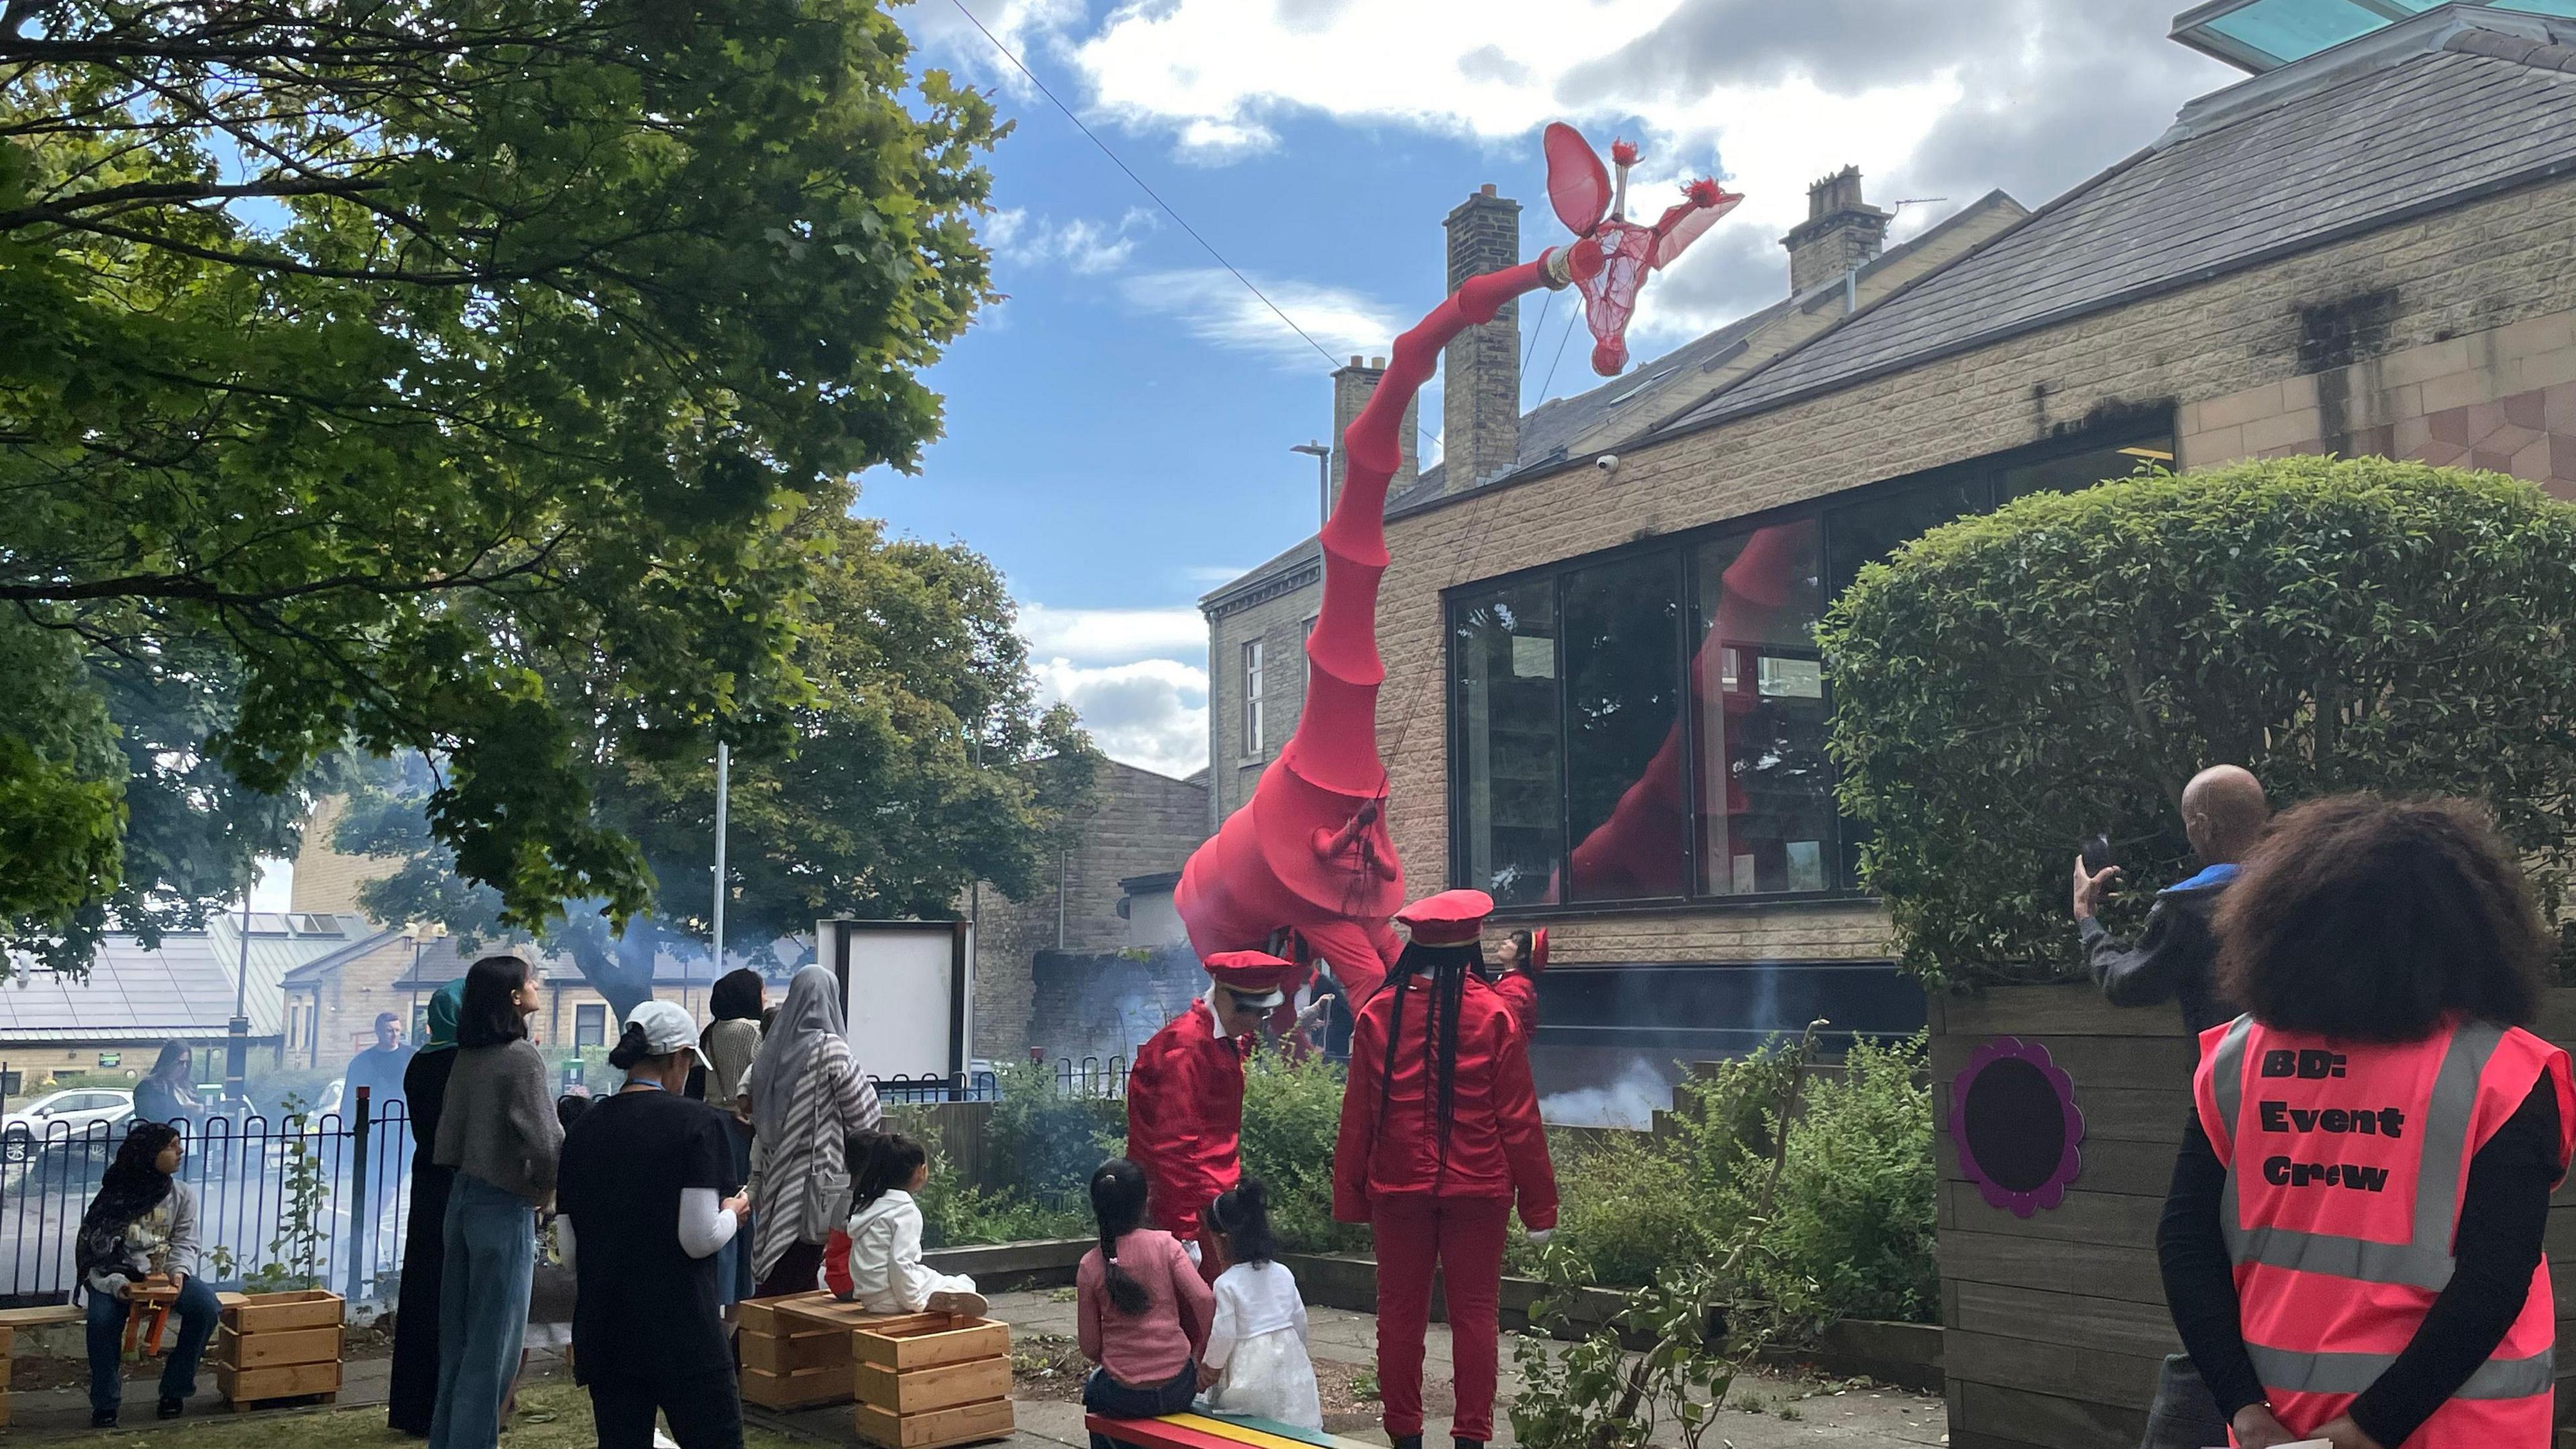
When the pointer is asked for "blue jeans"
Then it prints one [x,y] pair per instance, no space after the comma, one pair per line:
[197,1312]
[482,1311]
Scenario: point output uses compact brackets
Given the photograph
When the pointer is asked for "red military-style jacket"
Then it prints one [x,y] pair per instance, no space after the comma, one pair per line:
[1185,1118]
[1389,1139]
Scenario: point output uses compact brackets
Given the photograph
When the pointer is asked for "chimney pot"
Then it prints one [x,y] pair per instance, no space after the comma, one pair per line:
[1489,189]
[1841,232]
[1355,359]
[1377,362]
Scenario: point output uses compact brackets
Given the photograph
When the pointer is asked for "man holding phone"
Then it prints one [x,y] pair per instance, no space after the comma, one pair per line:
[2174,959]
[2223,814]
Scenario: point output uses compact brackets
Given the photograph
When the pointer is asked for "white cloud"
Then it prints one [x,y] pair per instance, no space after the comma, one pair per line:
[1928,97]
[1081,245]
[1113,636]
[1216,308]
[1151,713]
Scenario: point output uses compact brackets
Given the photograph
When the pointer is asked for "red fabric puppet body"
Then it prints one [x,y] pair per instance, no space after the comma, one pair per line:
[1185,1119]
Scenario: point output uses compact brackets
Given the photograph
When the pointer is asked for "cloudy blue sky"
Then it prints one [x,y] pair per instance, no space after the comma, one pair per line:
[1118,430]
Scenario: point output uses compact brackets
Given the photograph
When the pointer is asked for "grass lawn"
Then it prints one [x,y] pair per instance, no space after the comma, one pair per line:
[553,1414]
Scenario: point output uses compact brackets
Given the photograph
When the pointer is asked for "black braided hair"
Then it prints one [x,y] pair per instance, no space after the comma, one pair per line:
[1242,1215]
[1118,1202]
[1448,967]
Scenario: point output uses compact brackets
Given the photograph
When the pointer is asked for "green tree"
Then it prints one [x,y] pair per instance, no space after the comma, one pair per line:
[2007,685]
[919,763]
[366,352]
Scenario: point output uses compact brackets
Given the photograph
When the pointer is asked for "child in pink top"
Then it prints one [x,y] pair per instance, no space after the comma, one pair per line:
[1144,1309]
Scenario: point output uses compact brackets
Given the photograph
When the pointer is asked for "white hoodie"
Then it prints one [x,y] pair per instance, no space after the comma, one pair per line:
[886,1271]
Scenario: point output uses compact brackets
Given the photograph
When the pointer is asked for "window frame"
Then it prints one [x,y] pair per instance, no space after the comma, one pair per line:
[597,1021]
[1253,658]
[1985,473]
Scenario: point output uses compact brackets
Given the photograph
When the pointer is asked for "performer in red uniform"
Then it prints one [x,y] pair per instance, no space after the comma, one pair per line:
[1440,1133]
[1185,1096]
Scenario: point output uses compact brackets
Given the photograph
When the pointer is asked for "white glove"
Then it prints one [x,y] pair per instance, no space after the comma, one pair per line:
[1538,1236]
[1192,1246]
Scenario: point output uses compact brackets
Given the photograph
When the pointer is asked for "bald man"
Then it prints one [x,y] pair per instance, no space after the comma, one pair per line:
[2223,813]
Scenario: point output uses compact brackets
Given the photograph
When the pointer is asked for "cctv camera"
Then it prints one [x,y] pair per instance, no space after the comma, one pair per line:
[1607,463]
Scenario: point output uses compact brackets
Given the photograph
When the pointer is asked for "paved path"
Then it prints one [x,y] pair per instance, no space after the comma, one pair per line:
[1859,1419]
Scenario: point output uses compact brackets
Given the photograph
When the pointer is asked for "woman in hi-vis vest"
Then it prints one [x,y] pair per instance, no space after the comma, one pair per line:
[2352,1247]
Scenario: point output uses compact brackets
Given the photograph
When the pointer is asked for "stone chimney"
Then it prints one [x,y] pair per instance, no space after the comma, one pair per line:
[1841,232]
[1353,386]
[1480,405]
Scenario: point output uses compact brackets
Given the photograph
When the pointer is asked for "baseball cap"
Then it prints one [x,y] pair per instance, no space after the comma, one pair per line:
[667,1029]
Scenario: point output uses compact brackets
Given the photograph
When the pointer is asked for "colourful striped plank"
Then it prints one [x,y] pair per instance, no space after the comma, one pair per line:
[1211,1431]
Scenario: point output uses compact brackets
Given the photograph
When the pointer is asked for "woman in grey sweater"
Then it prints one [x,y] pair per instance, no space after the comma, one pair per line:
[143,1222]
[497,1128]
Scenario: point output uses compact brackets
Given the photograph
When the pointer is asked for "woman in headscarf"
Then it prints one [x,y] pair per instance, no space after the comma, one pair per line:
[414,1394]
[730,1041]
[808,1097]
[143,1222]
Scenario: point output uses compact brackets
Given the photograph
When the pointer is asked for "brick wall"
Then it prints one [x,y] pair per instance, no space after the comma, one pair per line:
[1480,408]
[1143,824]
[1280,624]
[325,879]
[2479,269]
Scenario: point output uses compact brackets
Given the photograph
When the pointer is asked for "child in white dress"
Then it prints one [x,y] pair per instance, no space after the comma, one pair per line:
[1256,1359]
[876,1261]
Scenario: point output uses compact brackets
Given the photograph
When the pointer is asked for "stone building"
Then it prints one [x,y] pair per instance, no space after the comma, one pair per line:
[1604,704]
[1142,825]
[1257,623]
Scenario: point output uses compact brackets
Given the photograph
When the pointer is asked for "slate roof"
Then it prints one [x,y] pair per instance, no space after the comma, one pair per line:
[2429,114]
[180,990]
[1582,423]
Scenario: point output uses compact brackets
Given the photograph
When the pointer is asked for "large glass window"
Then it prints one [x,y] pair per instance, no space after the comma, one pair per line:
[1503,653]
[1766,806]
[1652,726]
[1623,729]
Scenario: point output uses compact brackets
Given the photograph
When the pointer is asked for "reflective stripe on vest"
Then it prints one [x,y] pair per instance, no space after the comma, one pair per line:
[2424,1263]
[2350,1373]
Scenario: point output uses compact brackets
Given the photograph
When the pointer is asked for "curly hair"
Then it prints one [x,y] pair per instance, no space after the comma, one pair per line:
[2366,919]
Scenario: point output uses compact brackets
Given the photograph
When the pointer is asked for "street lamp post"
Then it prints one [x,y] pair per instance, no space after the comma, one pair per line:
[1323,457]
[237,1031]
[724,782]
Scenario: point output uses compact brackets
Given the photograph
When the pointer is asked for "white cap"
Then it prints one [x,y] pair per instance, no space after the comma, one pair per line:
[667,1029]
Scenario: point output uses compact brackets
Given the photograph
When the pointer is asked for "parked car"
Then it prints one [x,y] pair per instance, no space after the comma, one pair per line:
[69,1113]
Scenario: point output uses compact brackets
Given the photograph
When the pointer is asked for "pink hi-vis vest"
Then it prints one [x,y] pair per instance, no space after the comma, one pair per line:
[2345,1167]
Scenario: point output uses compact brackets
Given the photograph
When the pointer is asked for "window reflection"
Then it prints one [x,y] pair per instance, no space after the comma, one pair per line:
[1766,810]
[1504,654]
[2083,470]
[1623,728]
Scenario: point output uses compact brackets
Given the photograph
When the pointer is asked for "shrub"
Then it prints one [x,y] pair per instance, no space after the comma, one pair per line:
[1292,1114]
[1851,1233]
[2007,685]
[1043,1144]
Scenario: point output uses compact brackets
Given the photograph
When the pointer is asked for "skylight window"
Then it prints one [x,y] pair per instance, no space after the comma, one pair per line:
[2265,35]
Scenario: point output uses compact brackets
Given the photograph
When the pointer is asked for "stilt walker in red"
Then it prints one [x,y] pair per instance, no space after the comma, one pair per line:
[1440,1137]
[1185,1096]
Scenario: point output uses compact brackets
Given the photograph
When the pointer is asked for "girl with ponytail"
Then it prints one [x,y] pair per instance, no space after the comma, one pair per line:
[1256,1360]
[1439,1137]
[1144,1309]
[876,1261]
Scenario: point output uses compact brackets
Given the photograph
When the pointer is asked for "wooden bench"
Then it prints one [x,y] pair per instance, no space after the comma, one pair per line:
[1213,1431]
[52,1315]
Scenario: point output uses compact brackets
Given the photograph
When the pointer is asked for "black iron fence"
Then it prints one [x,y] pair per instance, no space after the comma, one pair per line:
[300,1200]
[1066,1076]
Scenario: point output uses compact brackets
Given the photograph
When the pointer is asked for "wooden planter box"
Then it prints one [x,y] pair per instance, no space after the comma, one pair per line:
[932,1381]
[2054,1326]
[279,1346]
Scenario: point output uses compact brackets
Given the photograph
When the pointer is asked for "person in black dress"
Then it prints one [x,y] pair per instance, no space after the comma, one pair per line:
[413,1397]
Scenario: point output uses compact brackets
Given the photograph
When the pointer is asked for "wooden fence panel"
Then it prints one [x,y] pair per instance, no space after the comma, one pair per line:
[2054,1325]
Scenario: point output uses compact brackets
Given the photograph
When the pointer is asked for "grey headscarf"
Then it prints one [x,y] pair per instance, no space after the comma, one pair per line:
[812,1009]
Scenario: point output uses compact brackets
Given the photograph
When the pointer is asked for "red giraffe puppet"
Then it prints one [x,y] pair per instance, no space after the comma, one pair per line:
[1309,858]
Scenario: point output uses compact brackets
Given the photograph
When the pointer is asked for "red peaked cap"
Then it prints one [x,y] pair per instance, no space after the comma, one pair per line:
[1451,918]
[1251,973]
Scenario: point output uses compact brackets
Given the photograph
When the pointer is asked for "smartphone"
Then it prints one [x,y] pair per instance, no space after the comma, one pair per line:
[2097,853]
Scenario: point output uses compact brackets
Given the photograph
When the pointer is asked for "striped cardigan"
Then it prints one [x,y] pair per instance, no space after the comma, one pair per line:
[800,1183]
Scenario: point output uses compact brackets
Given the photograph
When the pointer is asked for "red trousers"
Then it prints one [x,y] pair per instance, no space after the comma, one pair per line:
[1463,1237]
